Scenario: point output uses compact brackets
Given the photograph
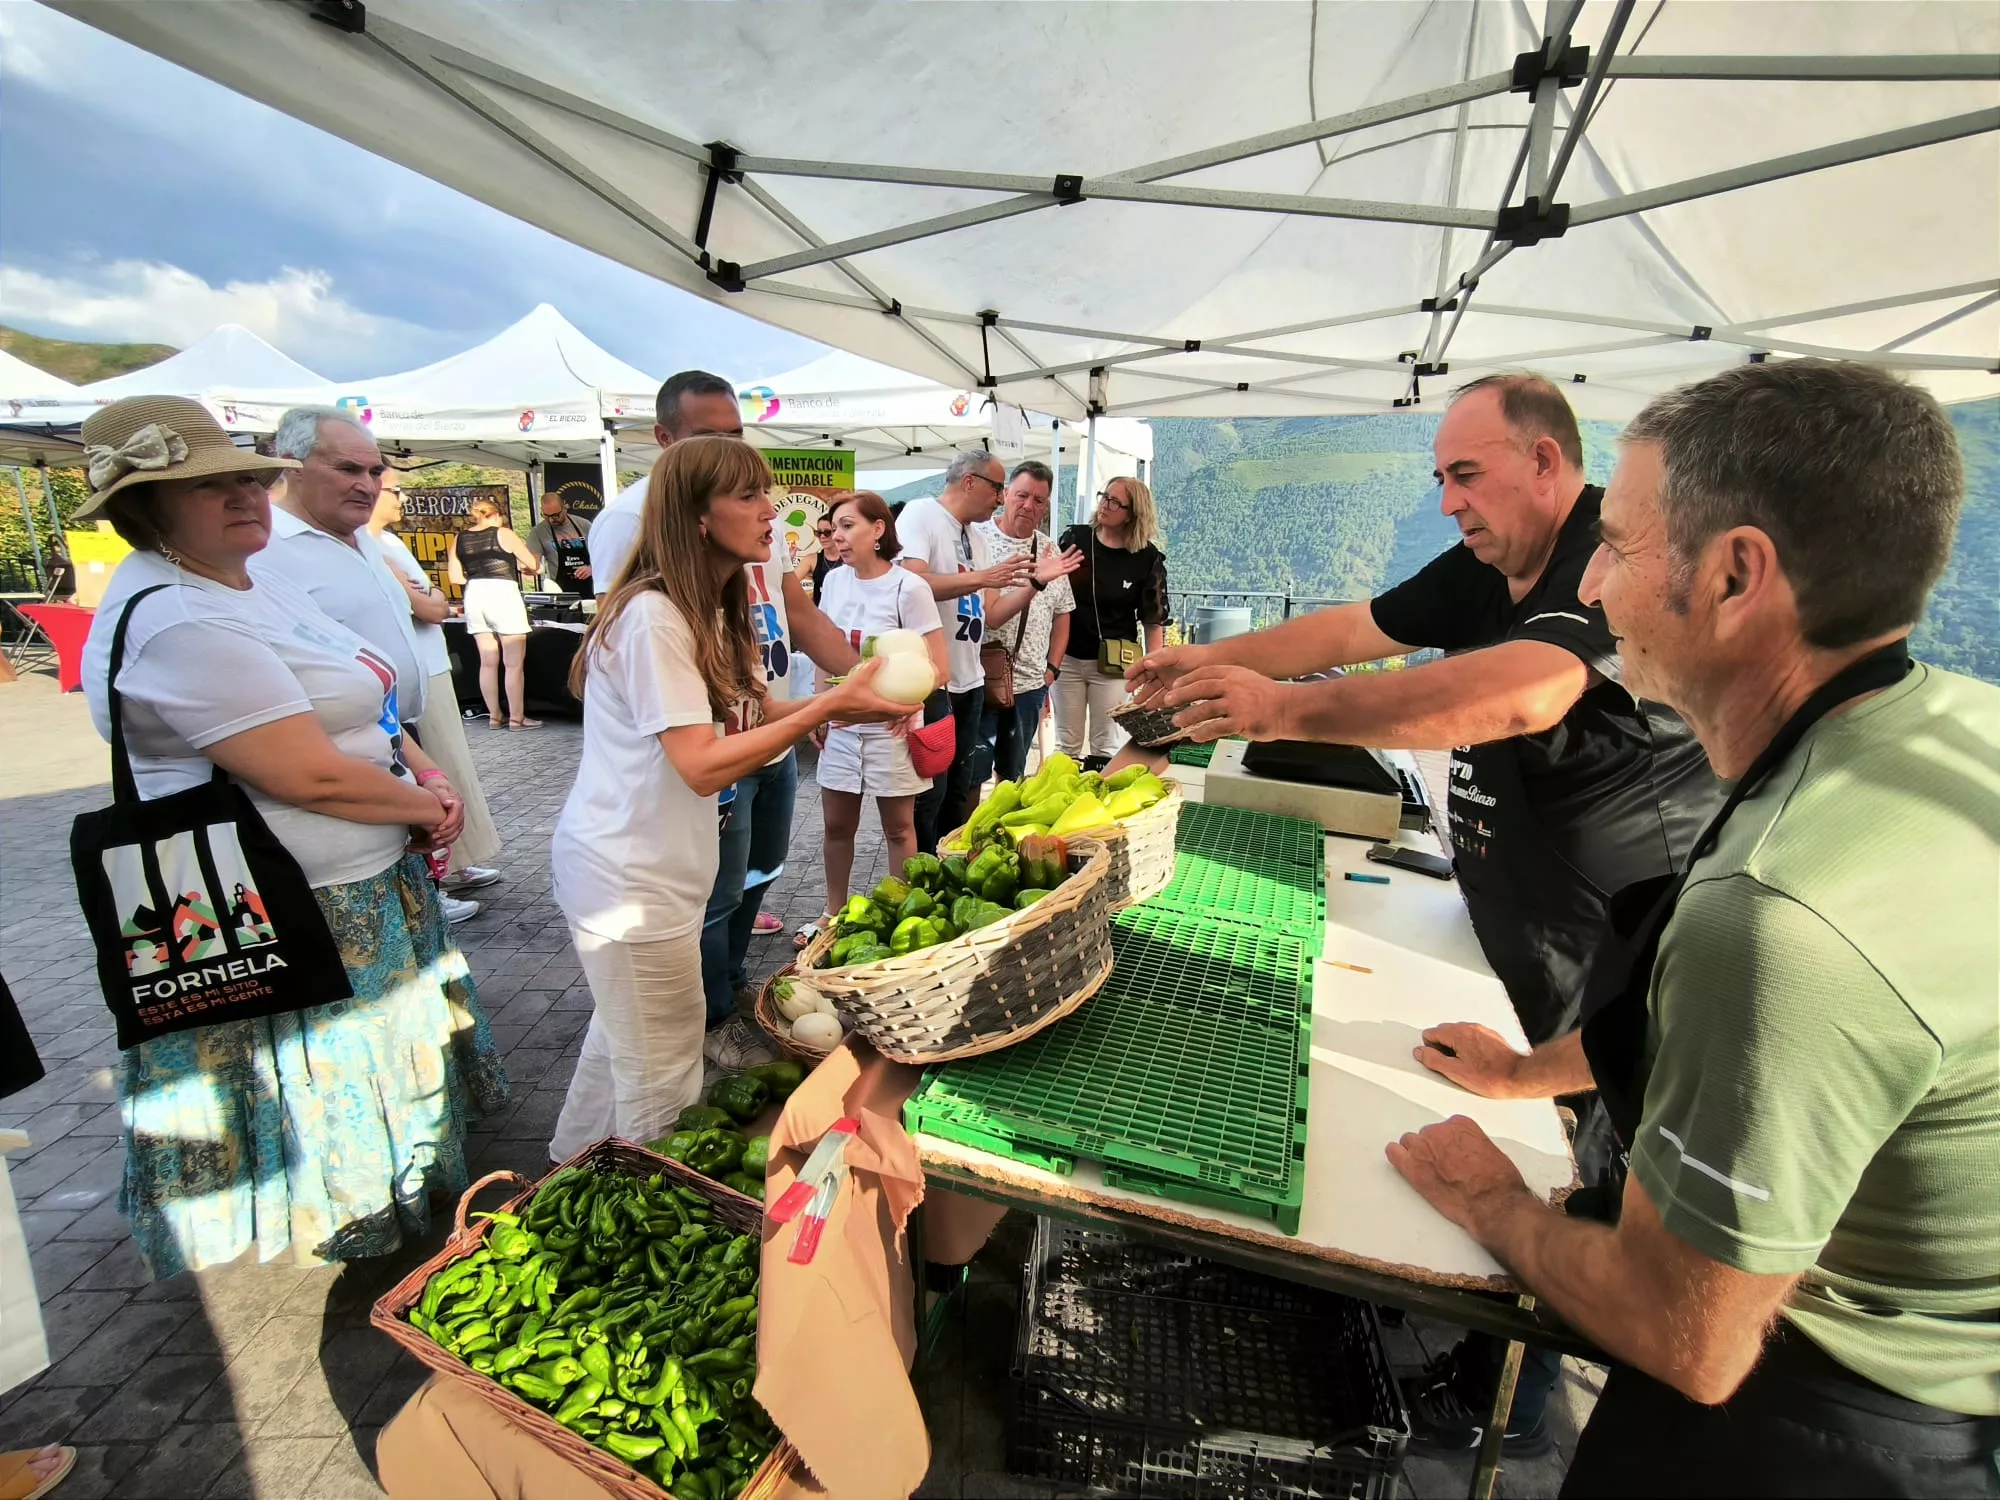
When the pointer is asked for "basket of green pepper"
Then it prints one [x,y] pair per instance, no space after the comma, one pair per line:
[970,953]
[611,1311]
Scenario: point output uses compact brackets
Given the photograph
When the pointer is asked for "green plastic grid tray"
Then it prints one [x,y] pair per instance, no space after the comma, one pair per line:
[1192,755]
[1237,836]
[1186,958]
[1291,900]
[1188,1083]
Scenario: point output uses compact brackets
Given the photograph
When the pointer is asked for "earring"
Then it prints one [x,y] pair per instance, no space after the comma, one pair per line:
[171,556]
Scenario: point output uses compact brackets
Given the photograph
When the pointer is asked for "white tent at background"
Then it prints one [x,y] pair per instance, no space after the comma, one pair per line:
[1286,208]
[21,381]
[229,358]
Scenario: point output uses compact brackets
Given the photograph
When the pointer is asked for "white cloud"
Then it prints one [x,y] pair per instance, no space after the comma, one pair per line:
[151,302]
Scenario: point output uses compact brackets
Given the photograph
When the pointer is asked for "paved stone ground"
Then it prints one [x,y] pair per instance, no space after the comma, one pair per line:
[266,1381]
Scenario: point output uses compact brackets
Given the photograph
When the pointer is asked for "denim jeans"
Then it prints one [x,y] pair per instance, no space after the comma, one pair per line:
[953,795]
[753,855]
[1009,732]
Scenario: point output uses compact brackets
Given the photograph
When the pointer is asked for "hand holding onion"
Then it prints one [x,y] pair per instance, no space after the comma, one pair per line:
[883,690]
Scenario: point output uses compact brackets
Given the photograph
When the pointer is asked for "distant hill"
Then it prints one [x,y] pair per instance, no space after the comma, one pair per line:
[80,364]
[1342,507]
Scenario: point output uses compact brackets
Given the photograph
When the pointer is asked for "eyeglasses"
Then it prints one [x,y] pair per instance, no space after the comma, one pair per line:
[822,532]
[999,485]
[1105,497]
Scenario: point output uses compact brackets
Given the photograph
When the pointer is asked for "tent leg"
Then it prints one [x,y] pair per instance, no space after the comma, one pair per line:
[28,519]
[607,461]
[1055,470]
[49,502]
[1087,501]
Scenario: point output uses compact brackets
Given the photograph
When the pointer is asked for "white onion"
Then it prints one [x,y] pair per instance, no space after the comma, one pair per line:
[796,999]
[901,643]
[904,678]
[816,1030]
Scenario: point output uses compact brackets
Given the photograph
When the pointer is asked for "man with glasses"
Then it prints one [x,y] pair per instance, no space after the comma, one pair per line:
[1029,623]
[441,730]
[940,543]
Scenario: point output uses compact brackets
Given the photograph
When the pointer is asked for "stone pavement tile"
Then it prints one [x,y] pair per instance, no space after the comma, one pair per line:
[68,1318]
[51,1171]
[185,1462]
[44,1414]
[530,1066]
[92,1180]
[107,1121]
[534,1118]
[121,1343]
[59,1263]
[556,1029]
[525,1009]
[149,1403]
[118,1269]
[103,1222]
[39,1226]
[348,1473]
[395,1388]
[262,1373]
[100,1469]
[576,997]
[276,1468]
[45,1127]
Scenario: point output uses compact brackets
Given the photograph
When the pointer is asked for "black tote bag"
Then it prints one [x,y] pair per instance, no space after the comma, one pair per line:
[198,913]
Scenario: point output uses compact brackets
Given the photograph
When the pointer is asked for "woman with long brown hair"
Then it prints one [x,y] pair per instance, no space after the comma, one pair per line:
[487,560]
[674,714]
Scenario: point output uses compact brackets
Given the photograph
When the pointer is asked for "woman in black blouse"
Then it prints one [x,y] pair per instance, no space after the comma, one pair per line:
[1121,595]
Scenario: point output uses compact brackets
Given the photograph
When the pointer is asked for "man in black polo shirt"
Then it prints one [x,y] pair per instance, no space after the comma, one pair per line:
[1564,787]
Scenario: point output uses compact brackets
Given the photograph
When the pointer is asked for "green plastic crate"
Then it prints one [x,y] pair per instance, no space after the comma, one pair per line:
[1251,838]
[1192,755]
[1289,899]
[1185,1080]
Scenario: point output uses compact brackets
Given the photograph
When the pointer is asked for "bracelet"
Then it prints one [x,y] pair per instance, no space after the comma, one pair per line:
[1036,584]
[424,778]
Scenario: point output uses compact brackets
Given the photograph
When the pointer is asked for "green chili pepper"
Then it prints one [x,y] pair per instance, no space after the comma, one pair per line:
[580,1400]
[632,1446]
[533,1388]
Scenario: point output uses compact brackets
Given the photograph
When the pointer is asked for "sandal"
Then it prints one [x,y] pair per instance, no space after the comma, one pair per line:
[766,924]
[526,724]
[17,1474]
[808,934]
[493,723]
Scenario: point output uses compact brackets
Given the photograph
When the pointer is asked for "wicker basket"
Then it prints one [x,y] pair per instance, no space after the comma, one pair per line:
[774,1025]
[391,1316]
[991,987]
[1141,849]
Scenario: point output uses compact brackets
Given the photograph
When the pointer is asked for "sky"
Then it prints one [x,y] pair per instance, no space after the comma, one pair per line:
[143,203]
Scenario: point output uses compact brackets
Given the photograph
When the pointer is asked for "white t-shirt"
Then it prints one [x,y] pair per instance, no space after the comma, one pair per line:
[351,585]
[205,662]
[932,535]
[861,607]
[432,651]
[635,851]
[614,535]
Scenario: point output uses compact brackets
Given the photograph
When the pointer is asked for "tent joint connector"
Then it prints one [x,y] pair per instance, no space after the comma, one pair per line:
[350,16]
[1407,401]
[1700,333]
[727,274]
[1068,188]
[1530,223]
[1438,368]
[1432,304]
[1530,68]
[1242,385]
[722,159]
[894,309]
[1579,378]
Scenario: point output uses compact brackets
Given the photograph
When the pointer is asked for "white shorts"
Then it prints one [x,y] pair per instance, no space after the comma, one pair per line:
[869,765]
[493,606]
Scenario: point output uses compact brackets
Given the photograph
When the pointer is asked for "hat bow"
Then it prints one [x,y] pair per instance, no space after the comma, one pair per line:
[153,446]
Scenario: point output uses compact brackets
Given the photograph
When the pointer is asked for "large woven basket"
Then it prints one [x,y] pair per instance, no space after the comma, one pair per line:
[774,1025]
[991,987]
[391,1316]
[1141,849]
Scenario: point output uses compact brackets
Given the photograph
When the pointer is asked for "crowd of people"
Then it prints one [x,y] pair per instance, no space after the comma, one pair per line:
[1698,792]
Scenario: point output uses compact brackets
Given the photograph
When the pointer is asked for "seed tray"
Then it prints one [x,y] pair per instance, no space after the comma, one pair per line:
[1198,1094]
[1251,839]
[1169,954]
[1192,755]
[1144,1371]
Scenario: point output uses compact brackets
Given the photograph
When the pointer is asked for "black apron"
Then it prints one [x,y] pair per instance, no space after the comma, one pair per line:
[1801,1423]
[572,552]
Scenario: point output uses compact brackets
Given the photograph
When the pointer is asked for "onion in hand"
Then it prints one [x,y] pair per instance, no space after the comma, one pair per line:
[906,678]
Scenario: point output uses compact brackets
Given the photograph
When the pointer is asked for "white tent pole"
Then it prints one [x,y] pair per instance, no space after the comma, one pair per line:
[49,499]
[1088,498]
[1055,474]
[607,461]
[28,517]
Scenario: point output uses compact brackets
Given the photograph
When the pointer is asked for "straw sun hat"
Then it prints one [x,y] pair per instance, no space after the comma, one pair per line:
[144,438]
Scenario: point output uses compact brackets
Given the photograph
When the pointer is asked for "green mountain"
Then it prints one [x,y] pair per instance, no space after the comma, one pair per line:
[80,364]
[1342,507]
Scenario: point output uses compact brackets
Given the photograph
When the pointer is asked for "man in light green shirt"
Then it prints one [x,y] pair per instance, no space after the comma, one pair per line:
[1801,1047]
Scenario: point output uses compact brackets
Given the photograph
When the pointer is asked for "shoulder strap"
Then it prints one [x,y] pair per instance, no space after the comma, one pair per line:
[1021,629]
[124,788]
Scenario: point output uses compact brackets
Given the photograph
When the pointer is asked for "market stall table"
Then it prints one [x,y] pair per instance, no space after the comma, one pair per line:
[551,648]
[1396,958]
[65,627]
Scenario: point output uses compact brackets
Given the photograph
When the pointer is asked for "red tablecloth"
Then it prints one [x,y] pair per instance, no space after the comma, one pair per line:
[67,626]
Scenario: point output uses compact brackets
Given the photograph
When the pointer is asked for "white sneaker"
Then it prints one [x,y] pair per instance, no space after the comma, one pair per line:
[471,878]
[737,1044]
[455,910]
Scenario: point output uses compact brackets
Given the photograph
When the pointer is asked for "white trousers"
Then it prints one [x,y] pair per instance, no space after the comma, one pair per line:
[641,1061]
[1084,700]
[442,729]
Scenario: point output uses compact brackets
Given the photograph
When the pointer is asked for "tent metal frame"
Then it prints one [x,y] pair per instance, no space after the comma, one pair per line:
[1518,221]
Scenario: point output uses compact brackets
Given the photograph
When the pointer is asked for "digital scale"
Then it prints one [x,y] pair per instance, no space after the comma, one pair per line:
[1344,788]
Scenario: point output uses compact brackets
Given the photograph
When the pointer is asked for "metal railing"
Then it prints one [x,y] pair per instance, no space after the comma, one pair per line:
[1266,609]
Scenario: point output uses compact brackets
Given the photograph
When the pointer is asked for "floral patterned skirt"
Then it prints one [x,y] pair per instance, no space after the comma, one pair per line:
[320,1134]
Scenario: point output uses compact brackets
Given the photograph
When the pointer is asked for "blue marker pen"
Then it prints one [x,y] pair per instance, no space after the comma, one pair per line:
[1368,879]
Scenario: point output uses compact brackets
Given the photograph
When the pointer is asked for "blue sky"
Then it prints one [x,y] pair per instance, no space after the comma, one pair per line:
[144,203]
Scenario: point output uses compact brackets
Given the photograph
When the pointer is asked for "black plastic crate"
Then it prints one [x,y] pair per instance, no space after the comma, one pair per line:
[1147,1372]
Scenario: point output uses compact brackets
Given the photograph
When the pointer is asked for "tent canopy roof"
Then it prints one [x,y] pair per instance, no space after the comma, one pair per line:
[230,358]
[21,381]
[1277,209]
[541,360]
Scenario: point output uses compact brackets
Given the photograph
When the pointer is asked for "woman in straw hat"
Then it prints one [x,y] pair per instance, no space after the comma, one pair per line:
[319,1134]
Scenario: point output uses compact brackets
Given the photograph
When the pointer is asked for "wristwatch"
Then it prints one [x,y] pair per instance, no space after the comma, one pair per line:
[1036,584]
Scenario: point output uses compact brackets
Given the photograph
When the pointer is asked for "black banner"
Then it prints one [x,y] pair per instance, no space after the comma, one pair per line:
[580,486]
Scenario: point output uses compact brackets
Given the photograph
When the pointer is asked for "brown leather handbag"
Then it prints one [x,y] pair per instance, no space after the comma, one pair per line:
[996,660]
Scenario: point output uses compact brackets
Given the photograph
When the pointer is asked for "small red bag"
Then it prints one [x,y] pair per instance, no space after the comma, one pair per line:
[934,747]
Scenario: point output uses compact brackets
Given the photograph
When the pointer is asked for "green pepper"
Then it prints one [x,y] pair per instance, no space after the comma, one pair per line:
[845,947]
[748,1186]
[919,903]
[742,1096]
[632,1446]
[1044,812]
[1025,899]
[873,954]
[596,1362]
[780,1077]
[890,892]
[564,1370]
[909,936]
[954,867]
[756,1155]
[702,1117]
[1004,799]
[580,1400]
[534,1389]
[576,1302]
[1000,886]
[715,1152]
[919,868]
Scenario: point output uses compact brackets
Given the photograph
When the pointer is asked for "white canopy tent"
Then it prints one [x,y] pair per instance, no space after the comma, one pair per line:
[21,382]
[1288,208]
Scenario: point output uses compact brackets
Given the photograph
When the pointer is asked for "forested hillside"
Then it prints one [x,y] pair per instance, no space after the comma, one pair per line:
[1341,507]
[81,363]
